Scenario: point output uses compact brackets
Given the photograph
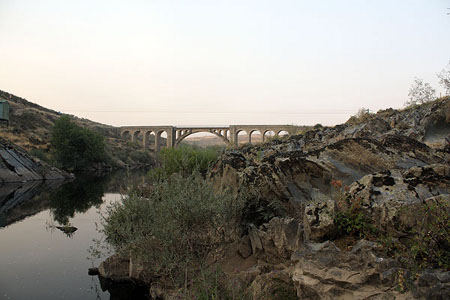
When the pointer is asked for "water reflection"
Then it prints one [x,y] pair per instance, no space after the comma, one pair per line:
[14,199]
[34,256]
[76,197]
[64,199]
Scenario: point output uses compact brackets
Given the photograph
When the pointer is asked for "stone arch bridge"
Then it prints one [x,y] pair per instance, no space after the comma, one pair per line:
[174,135]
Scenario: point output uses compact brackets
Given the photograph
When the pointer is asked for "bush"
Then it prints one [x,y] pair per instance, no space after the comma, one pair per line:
[420,93]
[75,147]
[350,218]
[181,221]
[42,155]
[444,78]
[431,239]
[184,160]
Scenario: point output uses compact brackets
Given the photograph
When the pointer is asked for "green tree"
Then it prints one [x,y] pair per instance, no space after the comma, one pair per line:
[75,147]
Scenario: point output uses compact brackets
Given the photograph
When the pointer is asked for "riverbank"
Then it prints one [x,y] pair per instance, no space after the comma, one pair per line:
[16,165]
[359,210]
[30,128]
[36,253]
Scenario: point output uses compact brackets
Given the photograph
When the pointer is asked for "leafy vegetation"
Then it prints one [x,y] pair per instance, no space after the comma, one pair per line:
[444,78]
[75,147]
[175,227]
[184,160]
[420,93]
[350,218]
[430,244]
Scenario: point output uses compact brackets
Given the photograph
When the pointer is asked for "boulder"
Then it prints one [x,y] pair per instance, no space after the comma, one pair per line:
[318,219]
[391,199]
[115,268]
[278,238]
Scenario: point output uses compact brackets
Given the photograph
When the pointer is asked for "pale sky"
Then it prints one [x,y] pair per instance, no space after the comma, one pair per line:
[215,62]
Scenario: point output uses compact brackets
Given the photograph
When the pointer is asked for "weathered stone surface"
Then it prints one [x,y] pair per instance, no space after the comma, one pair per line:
[390,199]
[245,247]
[301,176]
[319,220]
[17,166]
[278,238]
[115,268]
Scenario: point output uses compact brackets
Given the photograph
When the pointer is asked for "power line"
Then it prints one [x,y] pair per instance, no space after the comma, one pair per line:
[340,112]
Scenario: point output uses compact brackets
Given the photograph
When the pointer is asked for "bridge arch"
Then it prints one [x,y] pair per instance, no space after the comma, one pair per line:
[126,135]
[174,135]
[135,136]
[187,132]
[283,132]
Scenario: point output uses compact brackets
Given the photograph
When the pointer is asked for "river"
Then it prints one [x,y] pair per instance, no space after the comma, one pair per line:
[40,261]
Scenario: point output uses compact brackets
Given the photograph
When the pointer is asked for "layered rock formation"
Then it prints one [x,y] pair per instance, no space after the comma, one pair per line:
[17,166]
[390,164]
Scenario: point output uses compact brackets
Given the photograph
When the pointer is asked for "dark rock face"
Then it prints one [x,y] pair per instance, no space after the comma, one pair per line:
[390,199]
[389,162]
[301,176]
[17,166]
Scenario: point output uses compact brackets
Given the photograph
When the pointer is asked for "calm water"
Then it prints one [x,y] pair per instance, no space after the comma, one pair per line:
[39,261]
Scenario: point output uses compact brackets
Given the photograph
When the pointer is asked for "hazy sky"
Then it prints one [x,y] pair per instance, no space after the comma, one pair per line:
[217,62]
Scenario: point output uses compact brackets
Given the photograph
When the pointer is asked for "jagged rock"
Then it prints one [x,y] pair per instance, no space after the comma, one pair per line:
[16,165]
[255,240]
[278,238]
[299,177]
[273,286]
[319,220]
[434,285]
[390,199]
[323,272]
[245,247]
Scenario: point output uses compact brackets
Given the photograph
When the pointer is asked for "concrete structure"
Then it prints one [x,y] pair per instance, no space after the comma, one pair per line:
[4,111]
[174,135]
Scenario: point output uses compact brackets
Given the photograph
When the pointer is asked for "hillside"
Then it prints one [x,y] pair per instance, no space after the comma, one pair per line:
[30,128]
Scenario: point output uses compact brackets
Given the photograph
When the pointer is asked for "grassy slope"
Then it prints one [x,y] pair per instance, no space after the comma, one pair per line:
[30,127]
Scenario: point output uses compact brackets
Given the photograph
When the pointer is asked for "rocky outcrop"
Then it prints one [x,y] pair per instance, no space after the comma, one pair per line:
[392,199]
[302,176]
[324,271]
[387,165]
[16,165]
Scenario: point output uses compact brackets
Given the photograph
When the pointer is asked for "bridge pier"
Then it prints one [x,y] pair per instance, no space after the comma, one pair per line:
[176,135]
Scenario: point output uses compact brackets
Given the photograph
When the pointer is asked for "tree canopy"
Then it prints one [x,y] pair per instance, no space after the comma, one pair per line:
[75,147]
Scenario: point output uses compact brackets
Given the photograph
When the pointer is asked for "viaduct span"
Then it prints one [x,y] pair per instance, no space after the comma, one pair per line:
[174,135]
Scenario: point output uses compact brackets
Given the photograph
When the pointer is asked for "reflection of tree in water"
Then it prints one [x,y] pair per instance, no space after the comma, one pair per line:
[77,197]
[87,191]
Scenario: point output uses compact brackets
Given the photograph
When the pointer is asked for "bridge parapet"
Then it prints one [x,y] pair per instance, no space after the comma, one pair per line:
[175,135]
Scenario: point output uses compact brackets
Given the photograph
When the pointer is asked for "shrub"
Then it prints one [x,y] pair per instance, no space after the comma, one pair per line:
[181,221]
[350,218]
[42,155]
[420,93]
[431,239]
[444,78]
[75,147]
[362,115]
[184,160]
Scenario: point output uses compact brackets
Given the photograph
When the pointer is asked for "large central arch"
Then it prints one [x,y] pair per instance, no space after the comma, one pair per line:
[182,133]
[175,135]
